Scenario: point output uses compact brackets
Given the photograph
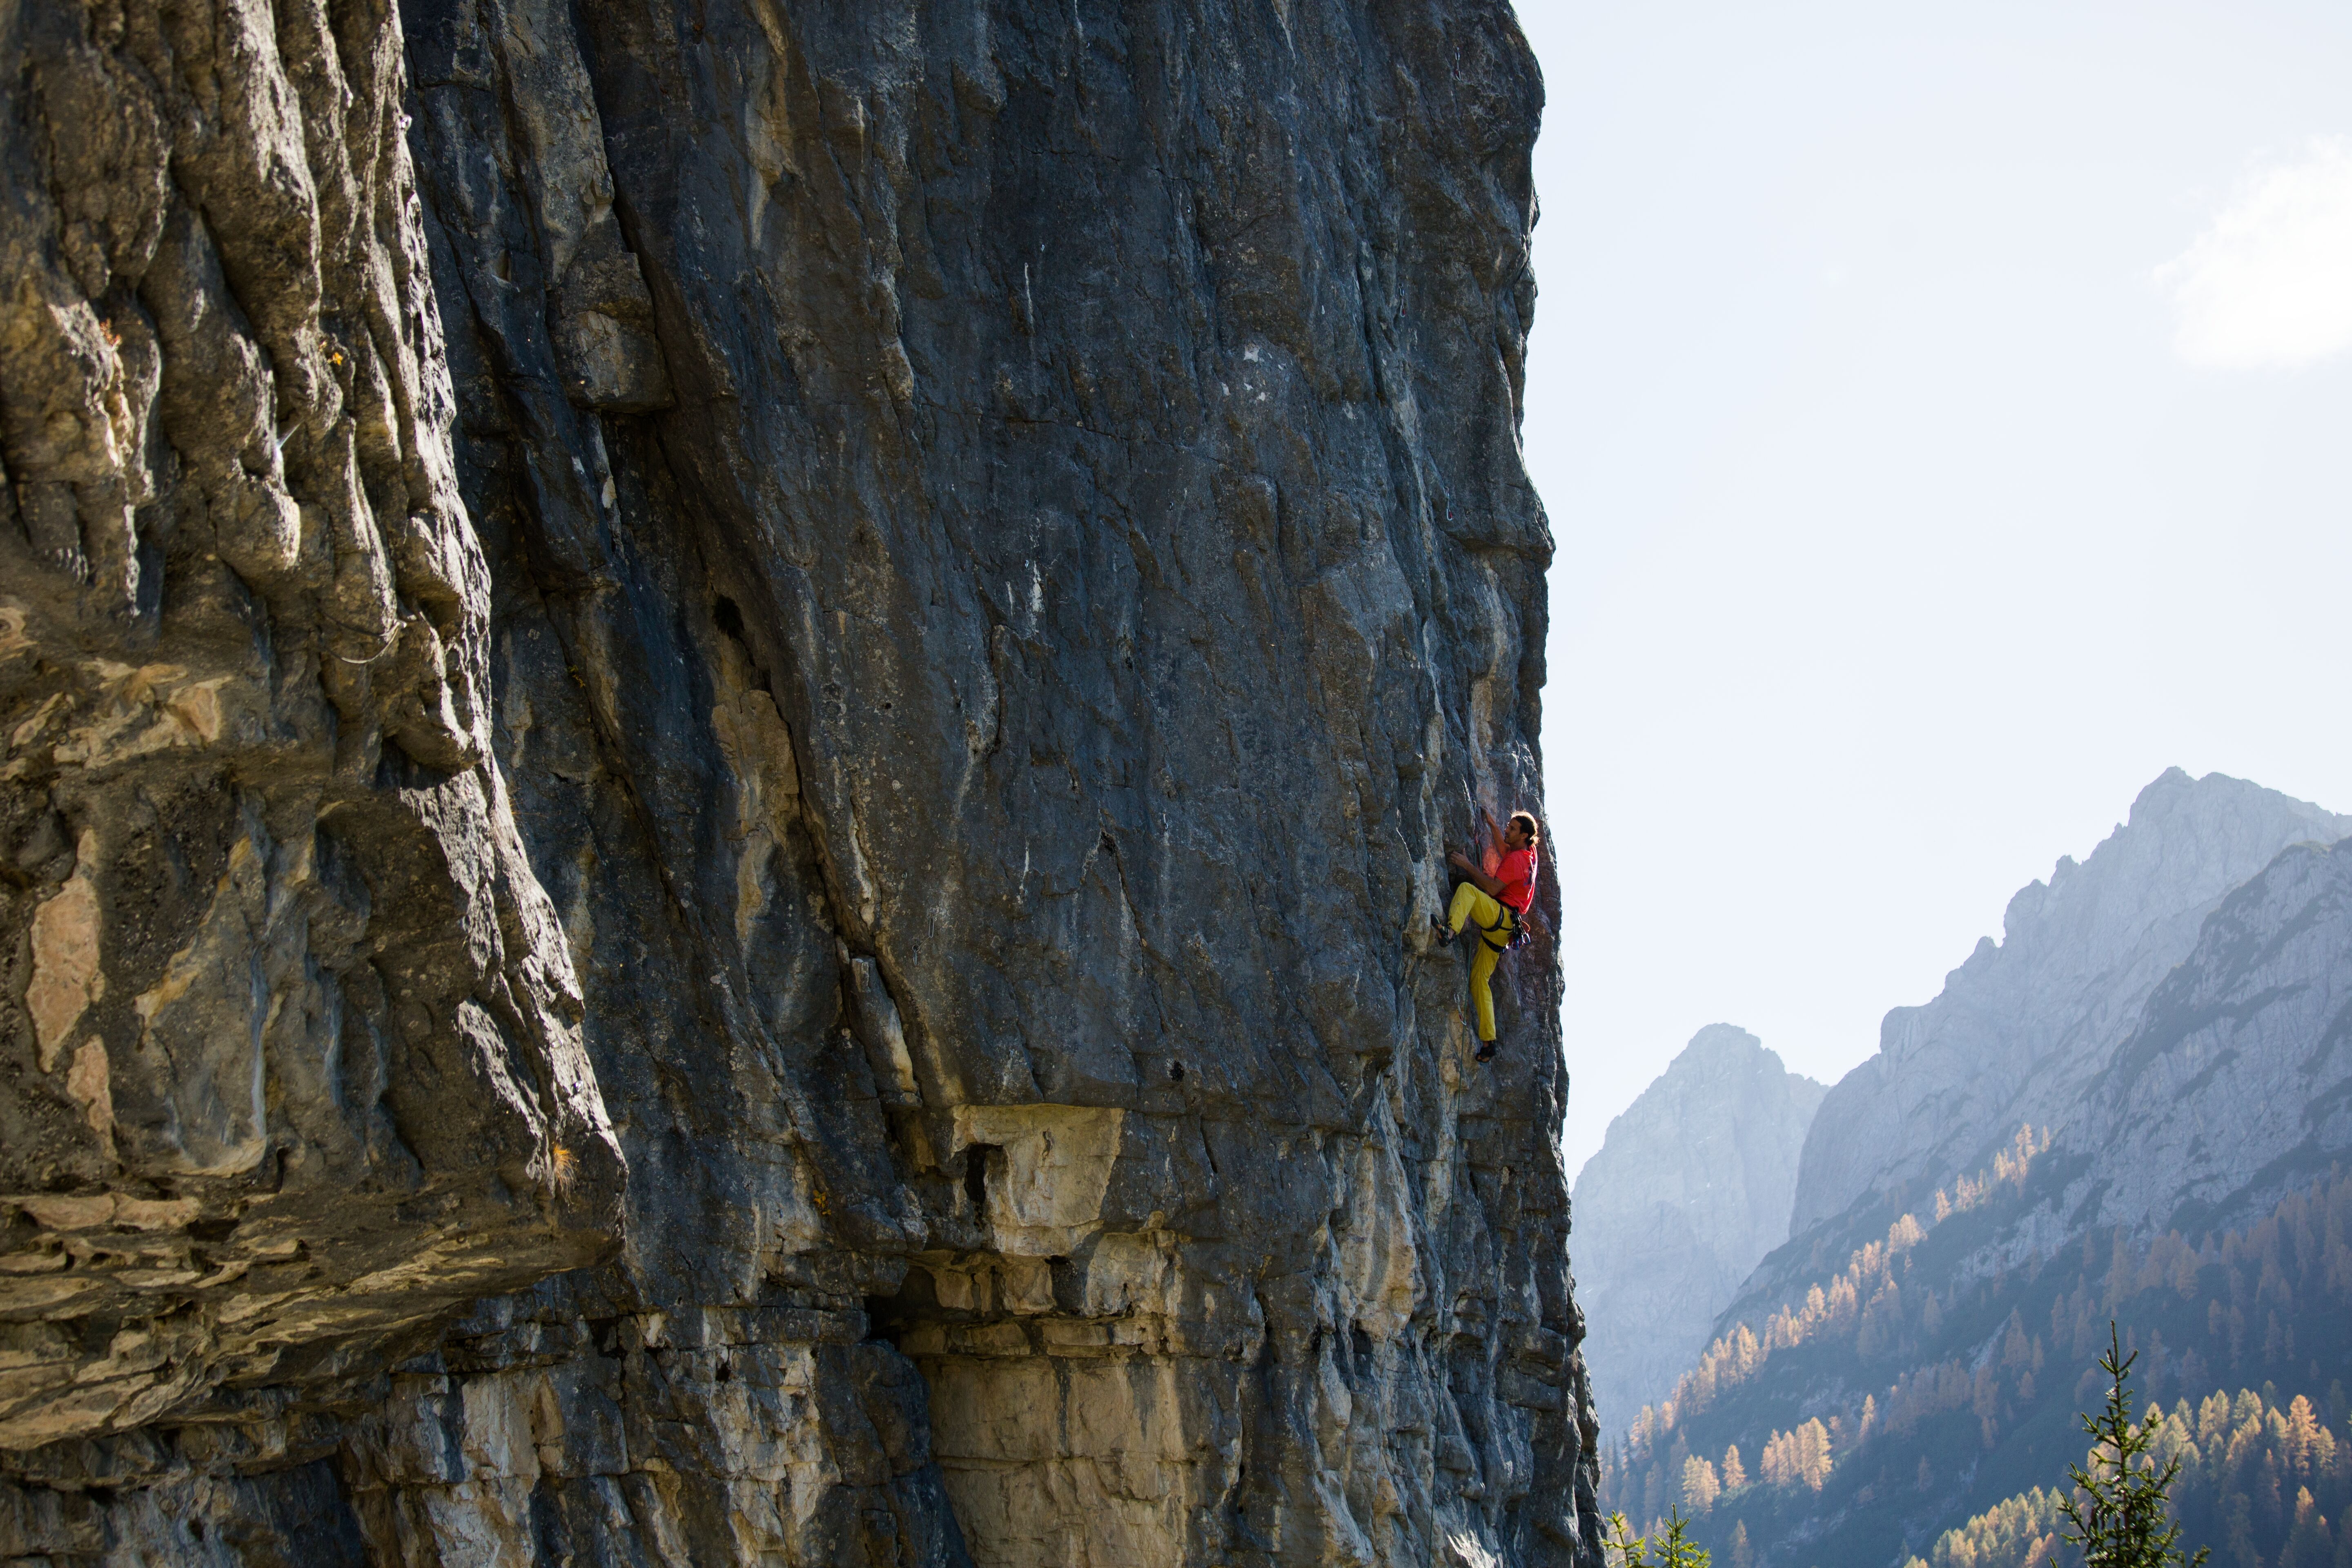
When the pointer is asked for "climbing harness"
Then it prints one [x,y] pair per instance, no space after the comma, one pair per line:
[1512,927]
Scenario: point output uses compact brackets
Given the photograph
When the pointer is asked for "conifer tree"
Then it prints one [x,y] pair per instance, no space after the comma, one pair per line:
[2116,1516]
[1672,1549]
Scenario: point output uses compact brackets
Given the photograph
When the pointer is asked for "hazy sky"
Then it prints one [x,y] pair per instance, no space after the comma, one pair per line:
[1945,412]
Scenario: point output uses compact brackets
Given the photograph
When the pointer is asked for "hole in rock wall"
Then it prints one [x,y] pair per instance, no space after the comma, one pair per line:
[727,616]
[894,1320]
[882,1320]
[730,619]
[1175,1072]
[975,1174]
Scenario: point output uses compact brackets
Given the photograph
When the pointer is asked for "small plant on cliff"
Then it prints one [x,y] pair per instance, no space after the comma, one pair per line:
[1672,1549]
[2117,1514]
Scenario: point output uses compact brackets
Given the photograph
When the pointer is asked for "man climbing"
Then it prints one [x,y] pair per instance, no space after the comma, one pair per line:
[1497,896]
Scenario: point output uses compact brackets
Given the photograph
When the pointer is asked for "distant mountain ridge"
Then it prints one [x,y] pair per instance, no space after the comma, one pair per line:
[1689,1190]
[2022,1027]
[2169,1023]
[2237,1085]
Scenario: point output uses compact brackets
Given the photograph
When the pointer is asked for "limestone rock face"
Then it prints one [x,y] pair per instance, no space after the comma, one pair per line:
[802,674]
[2235,1086]
[1687,1192]
[2022,1029]
[292,1037]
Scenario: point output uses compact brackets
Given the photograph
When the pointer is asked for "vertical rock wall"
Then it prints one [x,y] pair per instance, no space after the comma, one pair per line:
[985,556]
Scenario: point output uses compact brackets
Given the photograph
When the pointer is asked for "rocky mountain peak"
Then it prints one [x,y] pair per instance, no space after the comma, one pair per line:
[1690,1188]
[2133,1111]
[2027,1022]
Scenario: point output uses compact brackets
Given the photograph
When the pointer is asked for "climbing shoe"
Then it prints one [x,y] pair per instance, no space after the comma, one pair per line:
[1486,1051]
[1444,933]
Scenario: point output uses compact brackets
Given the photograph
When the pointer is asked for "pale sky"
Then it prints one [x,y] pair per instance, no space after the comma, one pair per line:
[1945,412]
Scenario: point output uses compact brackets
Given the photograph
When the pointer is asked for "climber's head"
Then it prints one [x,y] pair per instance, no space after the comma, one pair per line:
[1523,831]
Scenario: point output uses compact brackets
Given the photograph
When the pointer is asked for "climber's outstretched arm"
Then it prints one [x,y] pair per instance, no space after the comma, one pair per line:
[1473,875]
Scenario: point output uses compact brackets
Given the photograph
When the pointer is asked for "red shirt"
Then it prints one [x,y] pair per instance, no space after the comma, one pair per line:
[1516,872]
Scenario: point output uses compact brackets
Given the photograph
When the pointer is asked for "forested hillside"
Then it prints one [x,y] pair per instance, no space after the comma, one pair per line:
[1910,1402]
[2261,1484]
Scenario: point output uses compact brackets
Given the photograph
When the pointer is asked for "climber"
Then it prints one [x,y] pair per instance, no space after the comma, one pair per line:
[1498,897]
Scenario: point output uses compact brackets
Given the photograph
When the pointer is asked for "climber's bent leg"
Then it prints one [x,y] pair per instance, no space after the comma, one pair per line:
[1474,907]
[1470,904]
[1482,993]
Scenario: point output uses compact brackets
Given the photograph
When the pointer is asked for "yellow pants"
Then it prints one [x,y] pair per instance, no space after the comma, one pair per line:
[1471,904]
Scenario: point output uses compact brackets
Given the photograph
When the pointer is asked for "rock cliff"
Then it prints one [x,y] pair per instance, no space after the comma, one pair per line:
[1687,1192]
[2236,1085]
[728,730]
[2022,1028]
